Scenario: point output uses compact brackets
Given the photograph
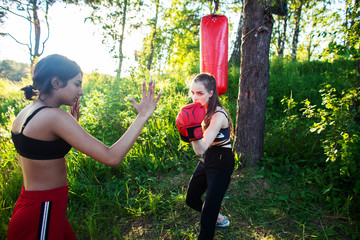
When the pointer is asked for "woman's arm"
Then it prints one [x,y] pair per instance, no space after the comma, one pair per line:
[68,129]
[216,123]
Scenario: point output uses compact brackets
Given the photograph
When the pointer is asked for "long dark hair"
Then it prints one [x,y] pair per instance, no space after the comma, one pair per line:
[209,83]
[54,65]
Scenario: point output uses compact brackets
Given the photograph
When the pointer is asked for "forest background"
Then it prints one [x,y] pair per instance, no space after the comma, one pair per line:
[308,181]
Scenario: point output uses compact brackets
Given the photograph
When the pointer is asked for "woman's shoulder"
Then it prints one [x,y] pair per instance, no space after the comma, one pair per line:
[41,113]
[20,119]
[54,115]
[220,114]
[46,112]
[221,111]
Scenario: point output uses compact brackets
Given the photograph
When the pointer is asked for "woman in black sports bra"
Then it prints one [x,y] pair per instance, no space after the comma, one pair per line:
[43,134]
[213,172]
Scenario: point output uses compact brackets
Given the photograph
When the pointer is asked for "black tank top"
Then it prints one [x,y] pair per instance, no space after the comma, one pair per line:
[39,149]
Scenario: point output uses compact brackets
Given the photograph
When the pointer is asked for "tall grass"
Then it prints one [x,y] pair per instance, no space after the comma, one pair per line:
[11,102]
[11,97]
[306,124]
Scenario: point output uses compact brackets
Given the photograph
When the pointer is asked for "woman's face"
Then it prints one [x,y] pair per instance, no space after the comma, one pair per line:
[199,94]
[72,91]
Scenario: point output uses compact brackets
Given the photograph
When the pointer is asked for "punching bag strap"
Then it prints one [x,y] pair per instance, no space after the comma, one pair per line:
[216,4]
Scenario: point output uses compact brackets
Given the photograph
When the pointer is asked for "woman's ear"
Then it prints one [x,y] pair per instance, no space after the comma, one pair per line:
[55,82]
[211,93]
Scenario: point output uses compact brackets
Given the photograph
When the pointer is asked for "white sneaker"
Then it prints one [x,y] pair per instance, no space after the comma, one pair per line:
[223,223]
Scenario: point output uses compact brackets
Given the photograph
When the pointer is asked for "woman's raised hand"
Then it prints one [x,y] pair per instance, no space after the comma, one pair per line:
[75,109]
[148,102]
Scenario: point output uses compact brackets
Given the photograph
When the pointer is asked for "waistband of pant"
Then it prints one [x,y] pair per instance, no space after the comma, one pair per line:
[218,148]
[45,195]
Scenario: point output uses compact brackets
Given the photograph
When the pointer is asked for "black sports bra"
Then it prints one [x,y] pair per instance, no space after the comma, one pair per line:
[39,149]
[223,136]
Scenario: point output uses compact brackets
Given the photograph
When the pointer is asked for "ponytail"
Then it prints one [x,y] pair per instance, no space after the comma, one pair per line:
[30,92]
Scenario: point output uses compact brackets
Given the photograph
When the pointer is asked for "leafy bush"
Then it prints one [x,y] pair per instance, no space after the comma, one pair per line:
[338,127]
[313,143]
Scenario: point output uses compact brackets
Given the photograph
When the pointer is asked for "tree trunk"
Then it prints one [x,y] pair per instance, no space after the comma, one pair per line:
[153,37]
[352,16]
[297,30]
[121,55]
[310,47]
[35,54]
[254,79]
[236,53]
[282,39]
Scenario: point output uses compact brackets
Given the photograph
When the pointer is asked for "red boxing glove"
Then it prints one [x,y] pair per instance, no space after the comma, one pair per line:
[192,115]
[182,128]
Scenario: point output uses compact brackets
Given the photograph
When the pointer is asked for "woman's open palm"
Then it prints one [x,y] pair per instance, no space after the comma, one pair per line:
[148,102]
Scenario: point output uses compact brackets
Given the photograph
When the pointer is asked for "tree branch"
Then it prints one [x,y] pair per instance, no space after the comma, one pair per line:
[7,9]
[48,28]
[8,34]
[30,34]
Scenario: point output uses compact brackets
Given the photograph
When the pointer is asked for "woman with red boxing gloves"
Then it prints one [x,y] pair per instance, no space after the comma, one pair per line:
[207,125]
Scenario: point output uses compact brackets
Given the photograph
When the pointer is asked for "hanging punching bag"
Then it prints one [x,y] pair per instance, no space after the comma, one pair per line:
[214,49]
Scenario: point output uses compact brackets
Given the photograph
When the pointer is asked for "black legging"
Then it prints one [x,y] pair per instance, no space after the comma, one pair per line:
[212,176]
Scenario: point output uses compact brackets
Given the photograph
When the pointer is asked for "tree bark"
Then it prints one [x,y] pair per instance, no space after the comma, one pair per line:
[121,55]
[282,39]
[35,54]
[297,30]
[254,79]
[153,37]
[236,53]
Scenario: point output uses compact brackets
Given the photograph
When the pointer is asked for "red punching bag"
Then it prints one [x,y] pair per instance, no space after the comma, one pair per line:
[214,49]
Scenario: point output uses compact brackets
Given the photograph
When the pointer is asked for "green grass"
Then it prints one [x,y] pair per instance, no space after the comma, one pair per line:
[257,207]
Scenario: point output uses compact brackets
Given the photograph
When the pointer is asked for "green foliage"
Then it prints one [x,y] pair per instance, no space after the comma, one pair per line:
[183,37]
[314,142]
[151,56]
[231,95]
[303,81]
[338,127]
[11,97]
[10,177]
[287,133]
[341,51]
[13,71]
